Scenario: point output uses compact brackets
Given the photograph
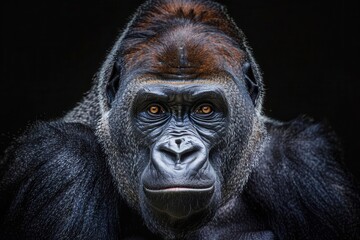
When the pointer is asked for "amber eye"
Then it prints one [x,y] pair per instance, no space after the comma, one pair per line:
[155,109]
[204,109]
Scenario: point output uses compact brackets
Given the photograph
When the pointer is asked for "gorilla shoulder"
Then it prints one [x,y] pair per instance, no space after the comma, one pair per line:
[300,169]
[53,174]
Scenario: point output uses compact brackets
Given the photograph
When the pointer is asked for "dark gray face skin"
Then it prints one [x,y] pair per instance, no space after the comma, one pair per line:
[170,161]
[180,124]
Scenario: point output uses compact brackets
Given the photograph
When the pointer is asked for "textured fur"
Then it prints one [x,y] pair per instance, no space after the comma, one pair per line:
[78,177]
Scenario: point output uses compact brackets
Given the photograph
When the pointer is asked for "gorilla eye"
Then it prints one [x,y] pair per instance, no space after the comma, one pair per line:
[155,109]
[204,109]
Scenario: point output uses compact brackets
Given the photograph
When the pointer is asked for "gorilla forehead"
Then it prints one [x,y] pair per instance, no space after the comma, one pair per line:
[186,51]
[194,43]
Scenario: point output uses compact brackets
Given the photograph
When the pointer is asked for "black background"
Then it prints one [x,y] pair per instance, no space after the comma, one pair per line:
[308,52]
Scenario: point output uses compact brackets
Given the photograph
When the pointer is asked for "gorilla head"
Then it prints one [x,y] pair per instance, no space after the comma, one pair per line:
[180,121]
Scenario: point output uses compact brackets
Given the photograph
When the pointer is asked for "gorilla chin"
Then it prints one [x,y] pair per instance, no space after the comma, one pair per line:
[179,200]
[180,203]
[179,209]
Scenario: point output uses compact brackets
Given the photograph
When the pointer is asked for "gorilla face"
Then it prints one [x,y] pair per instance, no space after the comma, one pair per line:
[172,146]
[181,124]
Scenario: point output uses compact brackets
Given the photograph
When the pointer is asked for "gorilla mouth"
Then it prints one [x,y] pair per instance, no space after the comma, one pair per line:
[179,202]
[179,189]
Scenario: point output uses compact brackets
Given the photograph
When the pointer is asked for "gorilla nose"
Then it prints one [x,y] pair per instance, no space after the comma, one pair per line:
[180,150]
[186,152]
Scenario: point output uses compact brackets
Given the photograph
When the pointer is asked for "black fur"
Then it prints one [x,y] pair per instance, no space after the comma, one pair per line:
[303,188]
[57,180]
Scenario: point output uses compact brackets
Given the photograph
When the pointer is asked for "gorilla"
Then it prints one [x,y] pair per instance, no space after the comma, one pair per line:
[171,143]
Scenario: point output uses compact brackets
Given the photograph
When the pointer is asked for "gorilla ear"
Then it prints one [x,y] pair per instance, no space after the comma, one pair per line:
[250,81]
[113,83]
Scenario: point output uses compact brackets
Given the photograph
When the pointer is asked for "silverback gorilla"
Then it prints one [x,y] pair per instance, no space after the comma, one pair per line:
[171,143]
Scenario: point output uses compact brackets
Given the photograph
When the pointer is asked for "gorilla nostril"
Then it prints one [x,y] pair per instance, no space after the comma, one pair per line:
[178,142]
[168,153]
[188,155]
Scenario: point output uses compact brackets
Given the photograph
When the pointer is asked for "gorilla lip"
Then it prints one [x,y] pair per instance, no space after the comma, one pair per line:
[179,189]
